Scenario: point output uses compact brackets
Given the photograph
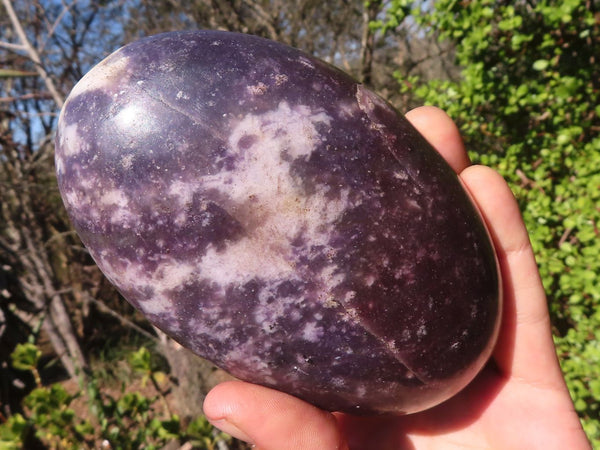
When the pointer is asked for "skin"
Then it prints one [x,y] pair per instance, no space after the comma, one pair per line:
[520,399]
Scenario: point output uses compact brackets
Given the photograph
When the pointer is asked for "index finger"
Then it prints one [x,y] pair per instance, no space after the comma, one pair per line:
[442,133]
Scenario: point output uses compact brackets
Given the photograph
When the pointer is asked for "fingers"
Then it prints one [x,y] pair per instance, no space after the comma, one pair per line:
[525,348]
[441,132]
[270,419]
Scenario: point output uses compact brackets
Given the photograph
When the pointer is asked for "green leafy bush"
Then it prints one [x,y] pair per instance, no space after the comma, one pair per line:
[528,104]
[49,416]
[129,421]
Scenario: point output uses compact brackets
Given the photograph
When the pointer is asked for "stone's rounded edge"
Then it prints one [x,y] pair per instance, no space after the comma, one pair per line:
[499,299]
[155,299]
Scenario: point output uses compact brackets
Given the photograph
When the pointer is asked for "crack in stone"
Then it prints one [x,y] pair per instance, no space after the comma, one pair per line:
[196,120]
[387,344]
[367,103]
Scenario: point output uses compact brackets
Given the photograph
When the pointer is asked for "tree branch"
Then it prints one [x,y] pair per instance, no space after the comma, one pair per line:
[14,47]
[32,53]
[124,321]
[59,19]
[367,41]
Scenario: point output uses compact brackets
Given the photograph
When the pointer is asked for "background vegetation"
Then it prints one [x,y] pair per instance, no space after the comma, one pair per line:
[521,79]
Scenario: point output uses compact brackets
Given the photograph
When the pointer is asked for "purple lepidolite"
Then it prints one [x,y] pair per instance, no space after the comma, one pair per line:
[279,219]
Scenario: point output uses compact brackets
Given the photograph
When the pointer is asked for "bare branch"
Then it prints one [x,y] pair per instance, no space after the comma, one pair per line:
[32,53]
[59,19]
[124,321]
[14,47]
[368,40]
[263,18]
[24,97]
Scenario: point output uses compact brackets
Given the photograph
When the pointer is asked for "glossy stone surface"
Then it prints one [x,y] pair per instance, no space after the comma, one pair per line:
[277,218]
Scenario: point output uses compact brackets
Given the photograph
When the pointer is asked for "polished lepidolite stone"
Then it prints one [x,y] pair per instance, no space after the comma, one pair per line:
[279,219]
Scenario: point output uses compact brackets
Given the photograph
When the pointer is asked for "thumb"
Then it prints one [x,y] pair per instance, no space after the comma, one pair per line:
[271,420]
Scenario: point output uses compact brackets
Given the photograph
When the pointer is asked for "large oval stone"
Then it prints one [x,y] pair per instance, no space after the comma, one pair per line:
[274,216]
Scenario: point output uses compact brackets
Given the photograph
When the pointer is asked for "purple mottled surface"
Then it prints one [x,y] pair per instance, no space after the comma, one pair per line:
[277,218]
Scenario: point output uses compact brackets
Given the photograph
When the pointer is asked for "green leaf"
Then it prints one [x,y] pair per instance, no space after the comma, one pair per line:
[25,356]
[141,360]
[84,428]
[13,431]
[541,64]
[563,139]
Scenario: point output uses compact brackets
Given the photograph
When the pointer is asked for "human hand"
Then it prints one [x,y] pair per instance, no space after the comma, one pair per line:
[519,400]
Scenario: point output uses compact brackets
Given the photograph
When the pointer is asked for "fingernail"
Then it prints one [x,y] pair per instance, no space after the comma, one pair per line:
[231,429]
